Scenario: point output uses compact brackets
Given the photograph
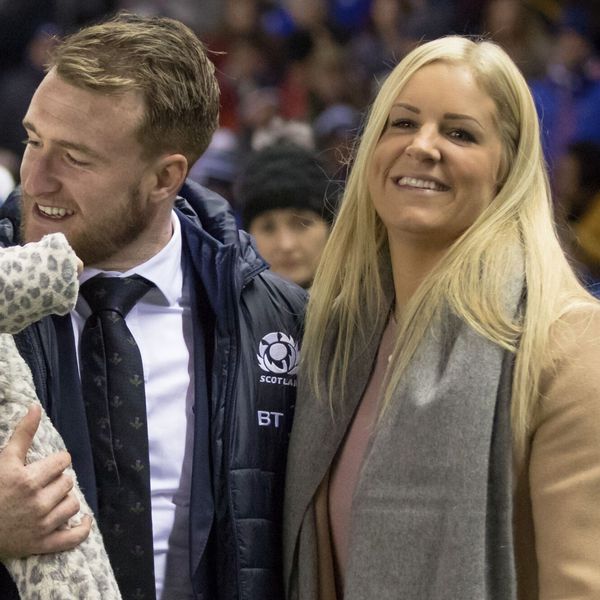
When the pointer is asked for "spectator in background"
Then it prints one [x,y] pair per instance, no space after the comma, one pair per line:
[332,80]
[522,31]
[428,19]
[394,28]
[335,130]
[349,16]
[263,124]
[577,180]
[241,55]
[380,45]
[18,84]
[316,73]
[578,209]
[283,190]
[280,130]
[218,167]
[199,16]
[257,109]
[568,96]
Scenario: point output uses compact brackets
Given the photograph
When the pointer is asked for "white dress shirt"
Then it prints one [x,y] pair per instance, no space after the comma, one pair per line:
[162,327]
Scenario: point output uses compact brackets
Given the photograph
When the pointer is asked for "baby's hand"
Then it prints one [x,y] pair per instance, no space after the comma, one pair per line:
[79,266]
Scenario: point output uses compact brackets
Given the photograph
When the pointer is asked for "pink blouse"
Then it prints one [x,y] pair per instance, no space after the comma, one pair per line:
[346,467]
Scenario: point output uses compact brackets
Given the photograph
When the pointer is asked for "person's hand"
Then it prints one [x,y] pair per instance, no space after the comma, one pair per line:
[36,500]
[79,266]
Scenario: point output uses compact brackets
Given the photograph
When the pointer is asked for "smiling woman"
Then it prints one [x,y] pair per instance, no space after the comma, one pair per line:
[448,394]
[436,166]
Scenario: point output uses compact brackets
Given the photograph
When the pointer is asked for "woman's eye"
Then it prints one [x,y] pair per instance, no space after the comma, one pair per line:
[461,135]
[402,123]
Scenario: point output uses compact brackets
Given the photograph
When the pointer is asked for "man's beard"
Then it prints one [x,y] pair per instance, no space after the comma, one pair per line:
[99,241]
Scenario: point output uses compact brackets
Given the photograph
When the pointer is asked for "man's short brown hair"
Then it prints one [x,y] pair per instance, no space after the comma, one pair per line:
[163,60]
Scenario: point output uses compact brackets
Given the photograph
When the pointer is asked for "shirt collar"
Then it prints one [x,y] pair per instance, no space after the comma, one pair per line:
[163,269]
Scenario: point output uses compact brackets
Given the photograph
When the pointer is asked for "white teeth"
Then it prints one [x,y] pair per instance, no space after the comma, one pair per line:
[421,183]
[55,212]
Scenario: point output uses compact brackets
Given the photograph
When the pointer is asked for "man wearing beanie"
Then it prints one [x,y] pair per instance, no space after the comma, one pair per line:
[287,206]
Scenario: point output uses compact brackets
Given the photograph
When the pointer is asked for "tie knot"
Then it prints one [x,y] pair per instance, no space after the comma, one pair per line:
[114,293]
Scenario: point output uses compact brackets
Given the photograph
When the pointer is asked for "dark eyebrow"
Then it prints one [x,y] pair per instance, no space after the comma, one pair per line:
[451,116]
[68,145]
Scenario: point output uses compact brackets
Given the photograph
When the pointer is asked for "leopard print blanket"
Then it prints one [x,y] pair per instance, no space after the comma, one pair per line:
[36,280]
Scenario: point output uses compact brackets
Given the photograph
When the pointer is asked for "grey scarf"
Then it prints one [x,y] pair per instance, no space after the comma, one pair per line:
[432,515]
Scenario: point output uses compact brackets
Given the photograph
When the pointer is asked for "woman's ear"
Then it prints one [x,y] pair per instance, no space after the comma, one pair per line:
[169,174]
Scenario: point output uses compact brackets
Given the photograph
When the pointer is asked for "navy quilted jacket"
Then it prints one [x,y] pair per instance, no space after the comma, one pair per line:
[252,347]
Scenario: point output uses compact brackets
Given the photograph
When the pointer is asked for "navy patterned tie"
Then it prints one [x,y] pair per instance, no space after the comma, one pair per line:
[112,380]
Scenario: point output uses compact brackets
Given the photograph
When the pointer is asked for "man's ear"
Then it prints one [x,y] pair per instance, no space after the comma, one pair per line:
[169,174]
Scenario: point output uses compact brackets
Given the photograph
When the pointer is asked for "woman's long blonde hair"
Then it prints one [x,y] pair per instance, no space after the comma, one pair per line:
[347,298]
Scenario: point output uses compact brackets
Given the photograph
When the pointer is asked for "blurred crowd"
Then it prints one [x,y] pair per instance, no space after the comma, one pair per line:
[303,72]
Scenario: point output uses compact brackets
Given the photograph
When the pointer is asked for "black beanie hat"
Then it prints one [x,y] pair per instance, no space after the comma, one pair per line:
[283,175]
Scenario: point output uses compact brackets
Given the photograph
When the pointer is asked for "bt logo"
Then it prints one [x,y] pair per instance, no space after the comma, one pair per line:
[268,418]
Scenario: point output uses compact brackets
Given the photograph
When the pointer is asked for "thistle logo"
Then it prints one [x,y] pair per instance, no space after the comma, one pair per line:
[278,355]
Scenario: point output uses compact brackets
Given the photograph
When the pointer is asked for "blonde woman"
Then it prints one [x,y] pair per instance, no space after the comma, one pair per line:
[446,443]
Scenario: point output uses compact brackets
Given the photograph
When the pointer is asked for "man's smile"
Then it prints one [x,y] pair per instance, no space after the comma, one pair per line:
[54,212]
